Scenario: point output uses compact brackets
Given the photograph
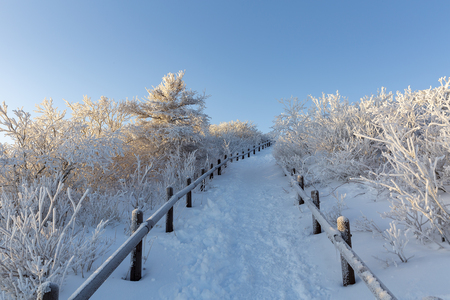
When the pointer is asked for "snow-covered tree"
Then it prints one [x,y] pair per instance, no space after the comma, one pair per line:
[101,118]
[170,117]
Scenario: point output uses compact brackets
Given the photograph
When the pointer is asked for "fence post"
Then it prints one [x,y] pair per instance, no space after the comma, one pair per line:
[137,217]
[211,176]
[219,169]
[259,147]
[48,291]
[248,152]
[293,172]
[301,183]
[254,150]
[202,186]
[189,194]
[348,274]
[315,199]
[237,156]
[169,216]
[243,155]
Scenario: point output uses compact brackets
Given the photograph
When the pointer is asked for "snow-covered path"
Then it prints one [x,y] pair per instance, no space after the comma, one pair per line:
[247,239]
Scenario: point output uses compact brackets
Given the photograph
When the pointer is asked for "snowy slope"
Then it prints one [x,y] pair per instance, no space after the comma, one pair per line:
[245,238]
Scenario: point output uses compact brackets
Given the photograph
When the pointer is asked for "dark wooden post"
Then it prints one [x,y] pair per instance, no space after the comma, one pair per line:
[137,217]
[237,156]
[301,183]
[202,186]
[293,172]
[315,199]
[189,194]
[169,216]
[248,152]
[219,169]
[348,275]
[243,155]
[211,176]
[48,291]
[259,147]
[254,150]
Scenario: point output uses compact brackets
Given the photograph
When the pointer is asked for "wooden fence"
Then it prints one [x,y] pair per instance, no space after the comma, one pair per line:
[350,261]
[133,245]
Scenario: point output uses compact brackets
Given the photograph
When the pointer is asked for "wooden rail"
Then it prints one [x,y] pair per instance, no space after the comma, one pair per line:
[378,289]
[88,288]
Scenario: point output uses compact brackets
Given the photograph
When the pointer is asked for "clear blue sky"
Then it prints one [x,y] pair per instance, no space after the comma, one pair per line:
[245,54]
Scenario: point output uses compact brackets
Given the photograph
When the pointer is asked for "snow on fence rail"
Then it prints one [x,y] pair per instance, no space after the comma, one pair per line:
[133,245]
[341,239]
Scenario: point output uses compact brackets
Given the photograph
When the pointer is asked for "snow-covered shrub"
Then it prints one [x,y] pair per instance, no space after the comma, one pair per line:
[236,136]
[290,129]
[33,249]
[51,145]
[99,206]
[396,239]
[413,180]
[327,128]
[105,119]
[138,187]
[398,142]
[416,150]
[179,167]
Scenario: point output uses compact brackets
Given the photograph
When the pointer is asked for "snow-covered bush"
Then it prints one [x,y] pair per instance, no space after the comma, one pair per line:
[396,239]
[327,129]
[415,137]
[34,249]
[51,145]
[235,136]
[400,143]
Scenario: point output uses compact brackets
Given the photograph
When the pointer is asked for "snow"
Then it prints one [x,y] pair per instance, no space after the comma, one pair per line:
[246,238]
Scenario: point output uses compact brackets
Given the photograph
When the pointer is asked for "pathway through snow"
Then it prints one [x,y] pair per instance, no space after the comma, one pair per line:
[245,238]
[246,242]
